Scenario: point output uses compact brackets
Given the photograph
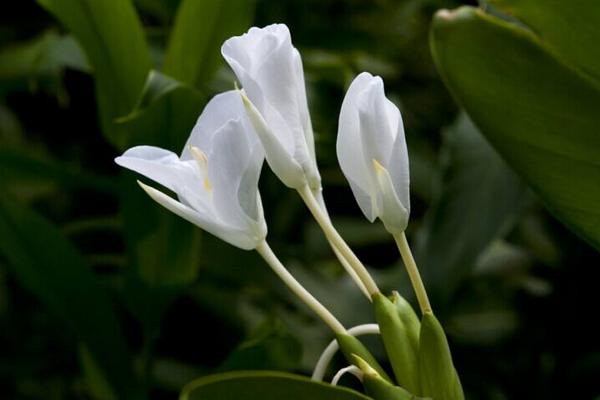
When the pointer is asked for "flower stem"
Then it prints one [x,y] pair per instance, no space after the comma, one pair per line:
[265,251]
[334,237]
[413,272]
[345,264]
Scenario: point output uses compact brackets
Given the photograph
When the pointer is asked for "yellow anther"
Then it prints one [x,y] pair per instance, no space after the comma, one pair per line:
[202,161]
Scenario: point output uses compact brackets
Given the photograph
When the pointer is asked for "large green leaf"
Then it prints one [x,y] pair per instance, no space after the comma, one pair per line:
[111,35]
[200,28]
[539,113]
[50,267]
[570,29]
[264,385]
[163,249]
[477,201]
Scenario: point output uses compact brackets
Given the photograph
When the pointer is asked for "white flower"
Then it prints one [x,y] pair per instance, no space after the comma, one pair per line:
[372,153]
[270,70]
[216,176]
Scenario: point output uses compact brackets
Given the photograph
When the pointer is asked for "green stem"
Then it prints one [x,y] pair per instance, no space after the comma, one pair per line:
[413,272]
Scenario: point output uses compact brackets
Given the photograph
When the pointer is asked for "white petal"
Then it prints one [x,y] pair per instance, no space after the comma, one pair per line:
[220,109]
[233,236]
[270,70]
[376,134]
[398,167]
[283,165]
[231,162]
[391,211]
[165,168]
[349,147]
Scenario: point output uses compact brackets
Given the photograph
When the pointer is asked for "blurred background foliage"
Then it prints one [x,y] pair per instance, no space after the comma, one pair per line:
[104,295]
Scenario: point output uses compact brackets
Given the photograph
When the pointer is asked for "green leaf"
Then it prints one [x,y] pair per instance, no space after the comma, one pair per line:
[439,379]
[264,385]
[478,200]
[50,267]
[43,55]
[164,114]
[550,19]
[201,26]
[271,346]
[398,344]
[17,166]
[111,35]
[164,252]
[522,98]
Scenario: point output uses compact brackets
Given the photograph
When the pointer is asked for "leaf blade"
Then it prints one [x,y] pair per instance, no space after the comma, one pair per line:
[526,110]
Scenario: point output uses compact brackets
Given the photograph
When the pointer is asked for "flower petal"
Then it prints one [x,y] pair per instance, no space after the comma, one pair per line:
[391,211]
[398,167]
[377,136]
[270,70]
[350,150]
[285,167]
[221,109]
[232,236]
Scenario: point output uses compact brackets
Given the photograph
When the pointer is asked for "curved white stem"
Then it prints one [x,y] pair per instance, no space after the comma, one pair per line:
[349,369]
[265,251]
[333,347]
[319,198]
[334,237]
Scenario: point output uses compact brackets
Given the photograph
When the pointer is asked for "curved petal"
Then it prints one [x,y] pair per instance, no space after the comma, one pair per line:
[221,109]
[234,168]
[375,129]
[391,211]
[398,167]
[270,70]
[287,169]
[234,236]
[350,149]
[165,168]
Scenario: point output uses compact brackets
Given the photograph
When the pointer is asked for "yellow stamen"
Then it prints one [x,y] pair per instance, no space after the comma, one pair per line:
[202,161]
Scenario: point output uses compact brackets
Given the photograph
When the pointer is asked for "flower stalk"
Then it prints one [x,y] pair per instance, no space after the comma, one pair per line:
[334,237]
[413,273]
[269,256]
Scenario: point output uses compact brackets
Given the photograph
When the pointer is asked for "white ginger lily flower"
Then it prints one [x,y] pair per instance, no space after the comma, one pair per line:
[372,153]
[216,177]
[270,70]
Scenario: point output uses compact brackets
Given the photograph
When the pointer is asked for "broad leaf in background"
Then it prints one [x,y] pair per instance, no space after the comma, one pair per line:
[270,346]
[201,27]
[264,385]
[164,250]
[538,112]
[111,35]
[41,57]
[50,267]
[550,19]
[478,199]
[164,115]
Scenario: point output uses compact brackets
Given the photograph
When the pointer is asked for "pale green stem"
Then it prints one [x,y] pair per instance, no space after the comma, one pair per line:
[334,237]
[265,251]
[413,272]
[319,199]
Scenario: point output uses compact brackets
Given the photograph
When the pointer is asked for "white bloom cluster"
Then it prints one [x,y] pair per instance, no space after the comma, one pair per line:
[216,176]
